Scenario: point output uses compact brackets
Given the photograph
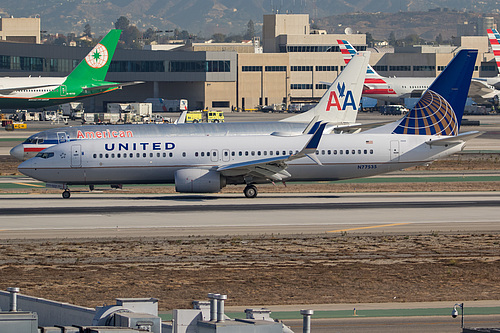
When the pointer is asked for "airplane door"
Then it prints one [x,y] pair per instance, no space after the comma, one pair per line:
[76,156]
[395,150]
[214,155]
[225,155]
[61,136]
[64,90]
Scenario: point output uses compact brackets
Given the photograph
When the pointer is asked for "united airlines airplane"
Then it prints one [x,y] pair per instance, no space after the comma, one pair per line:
[205,164]
[87,79]
[338,106]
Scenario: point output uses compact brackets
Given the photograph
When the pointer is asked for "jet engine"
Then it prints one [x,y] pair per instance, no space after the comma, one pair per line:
[198,181]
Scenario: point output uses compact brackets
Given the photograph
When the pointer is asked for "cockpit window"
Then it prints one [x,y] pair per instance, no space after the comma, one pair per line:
[45,155]
[33,140]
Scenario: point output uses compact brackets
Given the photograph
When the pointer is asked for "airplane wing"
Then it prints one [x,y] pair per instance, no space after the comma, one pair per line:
[112,85]
[480,91]
[454,139]
[8,91]
[274,167]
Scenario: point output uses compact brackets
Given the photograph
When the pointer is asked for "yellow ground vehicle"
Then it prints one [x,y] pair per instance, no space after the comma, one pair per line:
[205,116]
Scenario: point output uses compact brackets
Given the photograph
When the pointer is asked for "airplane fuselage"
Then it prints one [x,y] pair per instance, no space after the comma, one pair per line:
[156,160]
[395,89]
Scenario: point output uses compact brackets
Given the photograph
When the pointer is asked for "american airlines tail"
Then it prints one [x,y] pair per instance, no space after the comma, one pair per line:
[348,51]
[494,38]
[439,111]
[340,103]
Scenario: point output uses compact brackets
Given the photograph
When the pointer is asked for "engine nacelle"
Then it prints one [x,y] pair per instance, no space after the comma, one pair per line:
[198,181]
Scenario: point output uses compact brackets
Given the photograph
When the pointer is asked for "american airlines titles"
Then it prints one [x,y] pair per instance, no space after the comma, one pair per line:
[139,146]
[106,134]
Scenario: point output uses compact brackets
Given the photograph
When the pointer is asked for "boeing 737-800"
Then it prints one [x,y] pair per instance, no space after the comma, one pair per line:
[87,79]
[338,106]
[205,164]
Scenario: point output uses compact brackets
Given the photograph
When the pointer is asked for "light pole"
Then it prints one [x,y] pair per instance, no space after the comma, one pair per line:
[454,313]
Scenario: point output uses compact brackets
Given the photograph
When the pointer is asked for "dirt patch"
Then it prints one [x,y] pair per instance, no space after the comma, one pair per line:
[277,269]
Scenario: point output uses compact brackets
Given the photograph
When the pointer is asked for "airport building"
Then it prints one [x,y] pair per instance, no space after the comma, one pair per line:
[20,30]
[294,65]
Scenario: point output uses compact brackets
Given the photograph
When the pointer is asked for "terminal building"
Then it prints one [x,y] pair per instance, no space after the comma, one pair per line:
[293,65]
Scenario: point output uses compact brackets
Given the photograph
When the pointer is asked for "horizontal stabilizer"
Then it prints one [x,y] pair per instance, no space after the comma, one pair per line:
[454,139]
[113,85]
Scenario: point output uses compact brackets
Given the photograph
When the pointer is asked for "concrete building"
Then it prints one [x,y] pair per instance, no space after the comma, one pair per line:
[294,68]
[21,30]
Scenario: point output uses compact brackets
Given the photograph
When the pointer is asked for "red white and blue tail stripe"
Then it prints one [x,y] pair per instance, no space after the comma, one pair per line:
[494,38]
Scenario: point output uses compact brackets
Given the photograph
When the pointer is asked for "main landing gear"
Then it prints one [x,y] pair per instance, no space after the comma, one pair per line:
[250,191]
[66,194]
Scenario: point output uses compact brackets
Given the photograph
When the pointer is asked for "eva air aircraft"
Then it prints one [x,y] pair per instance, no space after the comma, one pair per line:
[87,79]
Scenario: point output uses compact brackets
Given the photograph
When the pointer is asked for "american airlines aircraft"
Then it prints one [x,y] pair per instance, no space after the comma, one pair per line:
[205,164]
[395,89]
[87,79]
[338,106]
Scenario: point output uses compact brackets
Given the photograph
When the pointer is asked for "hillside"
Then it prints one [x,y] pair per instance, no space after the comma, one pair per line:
[204,17]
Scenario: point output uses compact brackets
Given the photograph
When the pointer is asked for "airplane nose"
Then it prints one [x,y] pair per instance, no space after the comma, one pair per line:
[17,152]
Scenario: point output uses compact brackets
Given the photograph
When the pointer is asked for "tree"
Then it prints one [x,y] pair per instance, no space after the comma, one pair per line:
[219,38]
[87,31]
[369,39]
[250,30]
[439,39]
[122,23]
[392,39]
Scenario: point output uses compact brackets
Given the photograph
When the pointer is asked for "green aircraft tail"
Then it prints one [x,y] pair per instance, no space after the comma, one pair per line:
[95,65]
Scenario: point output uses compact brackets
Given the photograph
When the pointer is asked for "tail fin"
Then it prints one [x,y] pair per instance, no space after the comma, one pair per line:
[440,109]
[494,38]
[341,101]
[96,64]
[348,51]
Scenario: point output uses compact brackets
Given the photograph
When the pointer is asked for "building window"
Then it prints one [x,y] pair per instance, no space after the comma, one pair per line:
[423,68]
[327,68]
[203,66]
[299,86]
[400,68]
[382,68]
[322,86]
[275,68]
[251,68]
[301,68]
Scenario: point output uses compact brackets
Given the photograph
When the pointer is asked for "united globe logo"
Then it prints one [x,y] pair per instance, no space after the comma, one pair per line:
[98,57]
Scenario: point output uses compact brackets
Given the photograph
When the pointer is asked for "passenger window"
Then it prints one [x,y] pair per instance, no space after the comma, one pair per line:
[208,153]
[100,155]
[240,153]
[317,152]
[118,155]
[157,154]
[371,151]
[196,154]
[233,153]
[253,153]
[341,152]
[353,151]
[366,151]
[150,154]
[322,152]
[226,153]
[359,151]
[284,153]
[329,152]
[112,155]
[202,154]
[171,154]
[131,155]
[164,154]
[94,156]
[335,152]
[258,153]
[138,155]
[125,155]
[347,151]
[183,154]
[246,153]
[144,155]
[107,155]
[265,152]
[271,152]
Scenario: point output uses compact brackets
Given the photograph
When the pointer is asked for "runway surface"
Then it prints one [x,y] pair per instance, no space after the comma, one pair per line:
[129,215]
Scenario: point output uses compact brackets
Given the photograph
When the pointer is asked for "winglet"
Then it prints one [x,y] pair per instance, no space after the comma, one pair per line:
[310,147]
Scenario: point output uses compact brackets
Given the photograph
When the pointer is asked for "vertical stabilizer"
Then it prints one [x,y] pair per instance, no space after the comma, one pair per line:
[494,38]
[95,65]
[440,109]
[348,51]
[340,103]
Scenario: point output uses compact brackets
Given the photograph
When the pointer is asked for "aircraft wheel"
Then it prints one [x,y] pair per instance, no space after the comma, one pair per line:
[91,187]
[66,194]
[250,191]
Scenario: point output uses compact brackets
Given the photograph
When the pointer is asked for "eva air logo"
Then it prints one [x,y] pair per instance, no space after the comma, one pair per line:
[348,99]
[98,57]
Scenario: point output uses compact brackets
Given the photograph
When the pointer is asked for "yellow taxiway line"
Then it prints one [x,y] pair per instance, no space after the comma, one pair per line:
[26,184]
[370,227]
